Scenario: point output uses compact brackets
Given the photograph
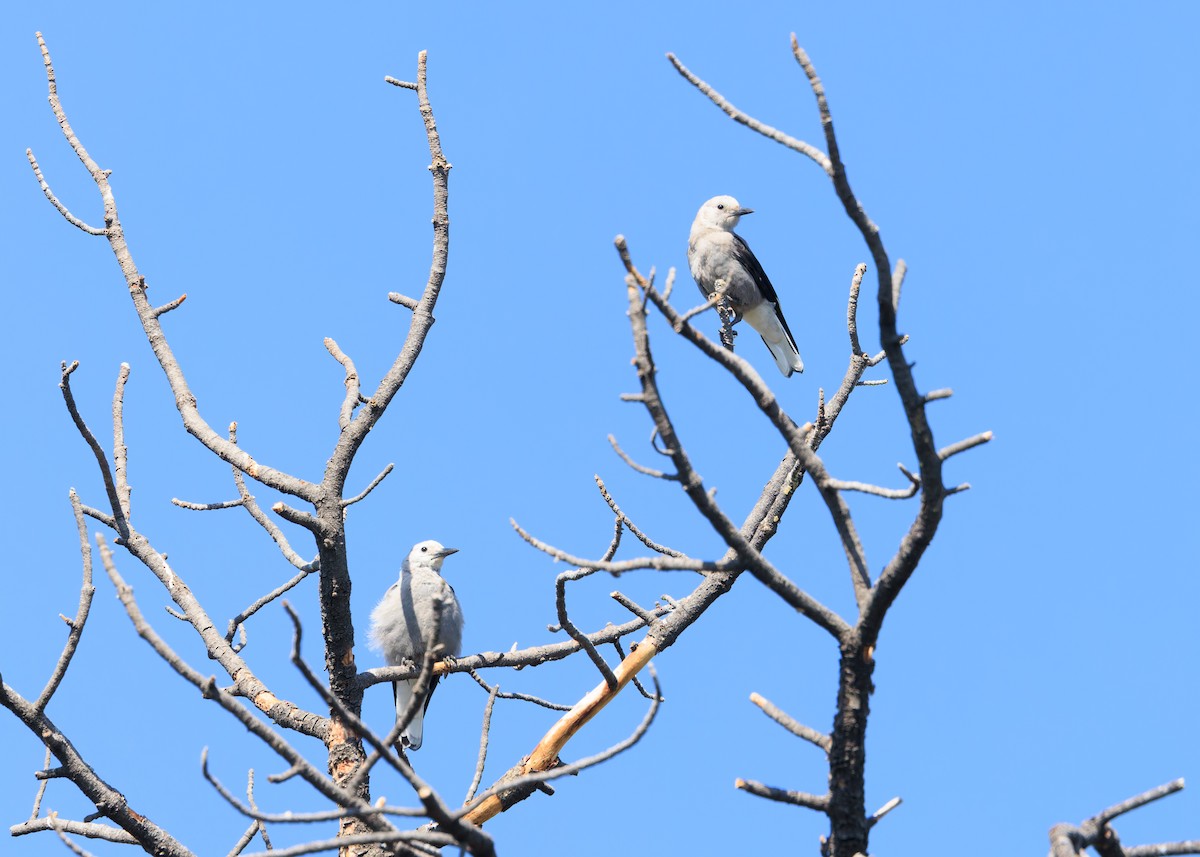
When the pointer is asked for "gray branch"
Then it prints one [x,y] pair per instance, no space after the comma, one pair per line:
[1067,840]
[86,591]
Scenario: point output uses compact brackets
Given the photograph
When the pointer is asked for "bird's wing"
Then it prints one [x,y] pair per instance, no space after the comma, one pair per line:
[743,254]
[745,257]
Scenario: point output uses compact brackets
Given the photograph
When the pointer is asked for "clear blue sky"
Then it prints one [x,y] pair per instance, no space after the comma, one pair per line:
[1034,164]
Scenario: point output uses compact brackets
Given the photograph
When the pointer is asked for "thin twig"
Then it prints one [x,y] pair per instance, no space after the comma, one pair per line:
[530,657]
[352,385]
[738,116]
[262,827]
[62,209]
[170,305]
[119,521]
[820,803]
[791,724]
[208,507]
[963,445]
[642,537]
[521,697]
[543,764]
[105,832]
[262,602]
[86,591]
[41,790]
[637,683]
[878,814]
[260,517]
[658,563]
[362,495]
[641,468]
[484,732]
[852,307]
[120,452]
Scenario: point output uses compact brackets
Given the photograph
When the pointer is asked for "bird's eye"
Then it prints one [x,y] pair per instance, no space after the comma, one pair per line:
[424,550]
[720,206]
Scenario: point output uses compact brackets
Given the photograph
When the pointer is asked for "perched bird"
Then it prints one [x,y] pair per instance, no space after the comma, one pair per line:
[401,625]
[718,257]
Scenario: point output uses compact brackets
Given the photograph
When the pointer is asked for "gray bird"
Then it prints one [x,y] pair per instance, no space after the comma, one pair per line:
[718,256]
[401,624]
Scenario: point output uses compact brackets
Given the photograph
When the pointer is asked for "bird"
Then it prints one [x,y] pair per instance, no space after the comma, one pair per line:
[402,623]
[718,257]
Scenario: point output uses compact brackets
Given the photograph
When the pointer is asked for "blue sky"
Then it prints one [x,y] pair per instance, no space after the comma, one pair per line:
[1033,163]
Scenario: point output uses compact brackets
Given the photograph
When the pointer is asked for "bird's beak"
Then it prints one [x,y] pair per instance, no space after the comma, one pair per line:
[445,552]
[742,211]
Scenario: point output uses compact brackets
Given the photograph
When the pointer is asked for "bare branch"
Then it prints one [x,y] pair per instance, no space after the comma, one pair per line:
[208,507]
[92,831]
[852,308]
[640,468]
[86,591]
[963,445]
[151,837]
[354,433]
[523,697]
[62,209]
[262,602]
[313,524]
[362,495]
[405,840]
[820,803]
[878,814]
[43,781]
[738,116]
[543,763]
[1067,840]
[403,300]
[713,299]
[691,482]
[820,739]
[352,387]
[472,837]
[897,282]
[624,519]
[119,521]
[658,563]
[120,452]
[75,849]
[170,305]
[290,817]
[564,622]
[887,493]
[227,701]
[484,732]
[1188,846]
[244,840]
[531,657]
[185,401]
[637,683]
[633,607]
[260,517]
[1130,804]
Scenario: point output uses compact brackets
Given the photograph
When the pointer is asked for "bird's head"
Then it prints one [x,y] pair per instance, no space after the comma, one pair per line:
[427,554]
[722,212]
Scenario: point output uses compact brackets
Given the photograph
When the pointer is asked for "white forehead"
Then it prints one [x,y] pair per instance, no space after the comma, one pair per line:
[425,549]
[722,203]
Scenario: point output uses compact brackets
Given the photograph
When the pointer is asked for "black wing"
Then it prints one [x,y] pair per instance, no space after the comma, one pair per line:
[745,256]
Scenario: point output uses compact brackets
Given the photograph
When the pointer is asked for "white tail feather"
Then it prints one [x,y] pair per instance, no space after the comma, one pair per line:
[764,319]
[411,736]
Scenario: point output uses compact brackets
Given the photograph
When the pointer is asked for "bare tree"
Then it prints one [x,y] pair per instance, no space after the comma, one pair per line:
[351,748]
